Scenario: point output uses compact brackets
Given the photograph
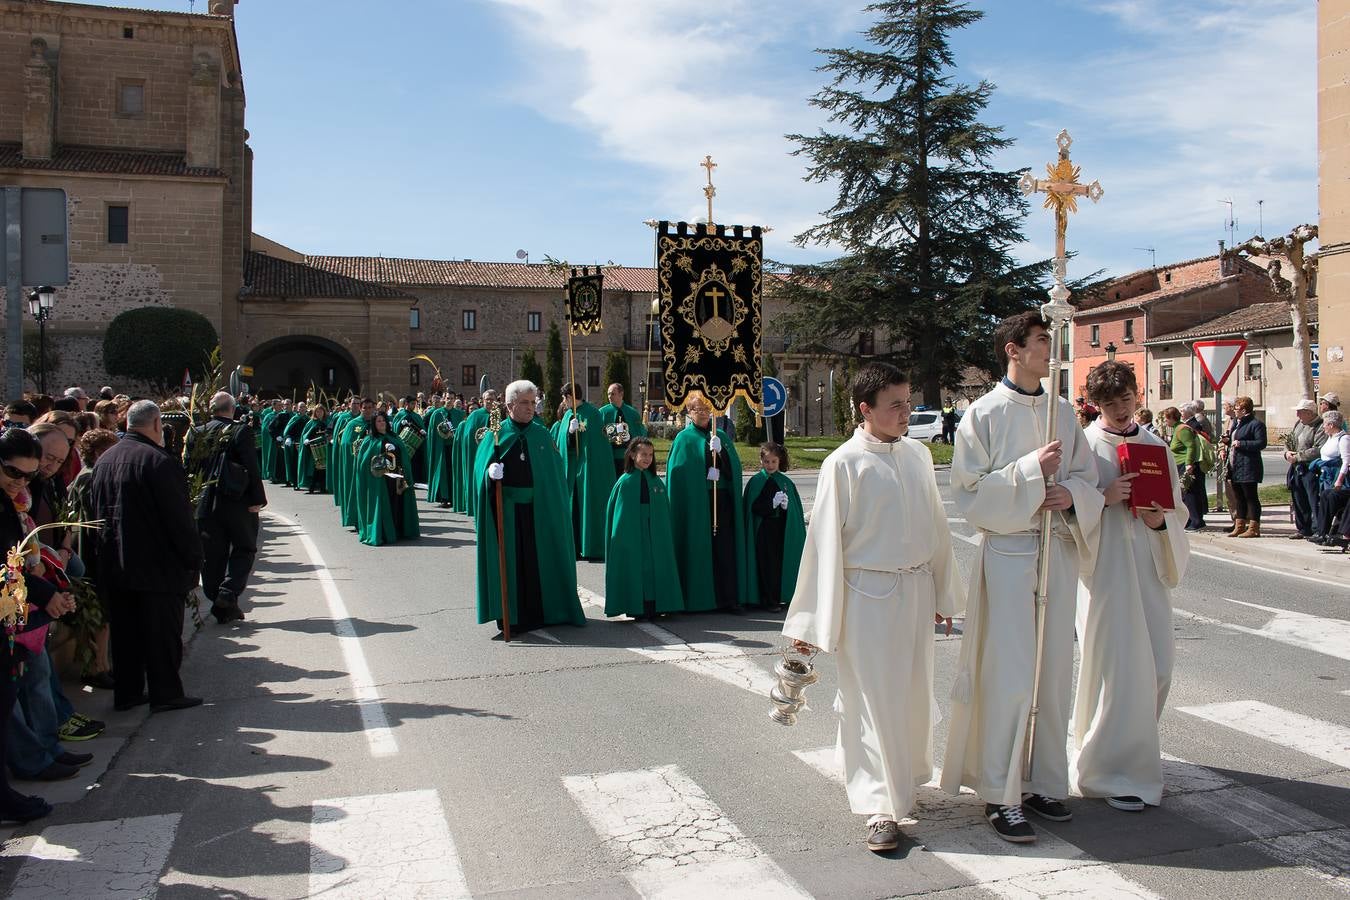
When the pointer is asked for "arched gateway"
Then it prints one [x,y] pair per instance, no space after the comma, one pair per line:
[290,365]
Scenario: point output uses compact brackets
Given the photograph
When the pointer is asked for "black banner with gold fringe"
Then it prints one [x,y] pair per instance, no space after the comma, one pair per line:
[583,300]
[709,284]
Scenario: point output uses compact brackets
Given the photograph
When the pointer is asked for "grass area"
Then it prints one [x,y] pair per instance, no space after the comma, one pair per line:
[804,452]
[1270,495]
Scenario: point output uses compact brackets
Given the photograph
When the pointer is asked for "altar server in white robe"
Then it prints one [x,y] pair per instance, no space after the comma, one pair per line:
[999,469]
[1125,614]
[877,571]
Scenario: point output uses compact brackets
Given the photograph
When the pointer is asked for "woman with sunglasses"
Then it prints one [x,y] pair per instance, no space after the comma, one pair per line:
[20,457]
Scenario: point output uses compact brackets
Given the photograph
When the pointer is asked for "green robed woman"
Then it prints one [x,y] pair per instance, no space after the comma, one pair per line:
[386,507]
[641,578]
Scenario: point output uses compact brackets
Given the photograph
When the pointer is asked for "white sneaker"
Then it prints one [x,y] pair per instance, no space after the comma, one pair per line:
[1127,804]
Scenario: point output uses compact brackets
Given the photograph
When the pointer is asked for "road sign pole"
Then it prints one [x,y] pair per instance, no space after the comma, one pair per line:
[1218,437]
[13,293]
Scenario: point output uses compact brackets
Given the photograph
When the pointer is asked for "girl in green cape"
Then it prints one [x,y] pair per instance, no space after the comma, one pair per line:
[386,507]
[776,530]
[641,579]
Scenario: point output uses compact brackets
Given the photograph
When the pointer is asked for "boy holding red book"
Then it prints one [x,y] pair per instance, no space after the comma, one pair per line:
[1125,602]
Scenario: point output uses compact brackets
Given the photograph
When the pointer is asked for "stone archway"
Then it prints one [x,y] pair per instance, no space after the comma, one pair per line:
[287,366]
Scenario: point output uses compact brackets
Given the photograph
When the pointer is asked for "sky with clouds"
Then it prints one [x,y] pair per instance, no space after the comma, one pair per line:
[474,128]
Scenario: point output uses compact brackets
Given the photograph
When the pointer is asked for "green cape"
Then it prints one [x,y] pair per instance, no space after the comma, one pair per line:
[333,482]
[265,452]
[640,560]
[306,465]
[294,428]
[552,529]
[691,516]
[609,415]
[794,537]
[438,452]
[277,472]
[376,525]
[352,435]
[589,469]
[467,451]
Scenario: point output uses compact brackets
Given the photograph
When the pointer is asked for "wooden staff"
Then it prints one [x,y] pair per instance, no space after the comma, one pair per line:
[495,424]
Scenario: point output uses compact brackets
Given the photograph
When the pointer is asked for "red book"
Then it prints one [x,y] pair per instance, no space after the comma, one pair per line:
[1154,465]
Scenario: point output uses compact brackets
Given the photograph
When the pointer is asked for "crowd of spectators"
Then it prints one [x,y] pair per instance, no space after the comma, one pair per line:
[117,554]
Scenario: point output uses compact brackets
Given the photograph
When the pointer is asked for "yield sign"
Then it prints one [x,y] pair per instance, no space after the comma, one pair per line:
[1218,358]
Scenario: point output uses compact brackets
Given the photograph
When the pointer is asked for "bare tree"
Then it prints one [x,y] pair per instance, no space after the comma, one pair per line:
[1297,290]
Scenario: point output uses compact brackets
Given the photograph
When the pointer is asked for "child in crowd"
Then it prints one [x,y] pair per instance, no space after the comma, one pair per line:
[641,579]
[777,529]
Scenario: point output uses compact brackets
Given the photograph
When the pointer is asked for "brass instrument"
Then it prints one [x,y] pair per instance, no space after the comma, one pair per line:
[446,429]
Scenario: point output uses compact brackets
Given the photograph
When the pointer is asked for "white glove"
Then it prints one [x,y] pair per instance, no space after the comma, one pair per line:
[289,443]
[780,500]
[715,444]
[714,473]
[572,427]
[496,471]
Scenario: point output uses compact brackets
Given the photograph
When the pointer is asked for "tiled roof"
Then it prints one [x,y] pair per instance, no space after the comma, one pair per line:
[470,273]
[1186,276]
[105,161]
[1257,317]
[267,276]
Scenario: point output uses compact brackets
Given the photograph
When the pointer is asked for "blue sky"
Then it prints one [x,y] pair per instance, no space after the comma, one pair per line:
[473,128]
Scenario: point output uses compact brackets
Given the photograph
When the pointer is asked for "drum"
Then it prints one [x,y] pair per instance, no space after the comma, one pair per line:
[411,438]
[318,448]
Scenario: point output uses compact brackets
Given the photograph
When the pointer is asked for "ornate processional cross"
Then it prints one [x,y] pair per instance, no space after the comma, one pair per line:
[709,191]
[1062,190]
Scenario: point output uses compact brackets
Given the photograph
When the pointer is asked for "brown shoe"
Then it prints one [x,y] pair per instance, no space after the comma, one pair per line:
[1253,530]
[1239,526]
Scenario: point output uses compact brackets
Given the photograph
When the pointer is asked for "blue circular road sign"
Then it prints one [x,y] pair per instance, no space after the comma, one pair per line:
[775,396]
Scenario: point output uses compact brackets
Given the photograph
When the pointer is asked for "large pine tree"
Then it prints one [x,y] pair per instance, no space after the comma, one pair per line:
[923,217]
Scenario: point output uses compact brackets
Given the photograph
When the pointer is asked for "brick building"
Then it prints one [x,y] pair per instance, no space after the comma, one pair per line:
[1333,194]
[1127,313]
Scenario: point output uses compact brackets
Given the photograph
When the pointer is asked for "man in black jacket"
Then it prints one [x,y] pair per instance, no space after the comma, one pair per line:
[149,557]
[228,513]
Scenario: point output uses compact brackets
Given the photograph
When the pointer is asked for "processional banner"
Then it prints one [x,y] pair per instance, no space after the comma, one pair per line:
[583,301]
[709,287]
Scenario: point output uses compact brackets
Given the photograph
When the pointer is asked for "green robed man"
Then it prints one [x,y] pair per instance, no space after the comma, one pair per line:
[614,412]
[589,469]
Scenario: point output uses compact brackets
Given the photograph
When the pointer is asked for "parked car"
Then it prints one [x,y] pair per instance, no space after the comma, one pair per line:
[925,425]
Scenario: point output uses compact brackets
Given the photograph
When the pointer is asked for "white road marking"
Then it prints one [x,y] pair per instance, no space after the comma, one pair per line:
[672,841]
[1304,734]
[824,760]
[1329,636]
[725,663]
[391,846]
[121,858]
[375,723]
[1322,580]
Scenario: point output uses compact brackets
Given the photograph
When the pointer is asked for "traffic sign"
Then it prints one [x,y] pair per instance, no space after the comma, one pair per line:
[1218,359]
[775,396]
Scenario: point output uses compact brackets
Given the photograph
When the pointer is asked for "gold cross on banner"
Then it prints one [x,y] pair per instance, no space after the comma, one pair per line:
[709,191]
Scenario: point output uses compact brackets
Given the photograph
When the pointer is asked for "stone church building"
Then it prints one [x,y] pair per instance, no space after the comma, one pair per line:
[140,117]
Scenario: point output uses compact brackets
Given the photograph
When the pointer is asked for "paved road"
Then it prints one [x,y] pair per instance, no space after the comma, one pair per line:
[365,738]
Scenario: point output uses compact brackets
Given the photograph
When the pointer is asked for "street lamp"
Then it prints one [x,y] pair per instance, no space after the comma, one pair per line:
[820,405]
[40,303]
[1111,351]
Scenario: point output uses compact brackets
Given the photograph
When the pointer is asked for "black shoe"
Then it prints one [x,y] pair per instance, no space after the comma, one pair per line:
[1047,808]
[1317,539]
[1010,823]
[124,705]
[27,810]
[1127,804]
[176,703]
[883,835]
[1298,536]
[226,614]
[78,760]
[57,771]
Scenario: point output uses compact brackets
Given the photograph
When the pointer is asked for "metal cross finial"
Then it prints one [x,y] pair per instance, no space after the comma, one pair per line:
[1062,189]
[709,191]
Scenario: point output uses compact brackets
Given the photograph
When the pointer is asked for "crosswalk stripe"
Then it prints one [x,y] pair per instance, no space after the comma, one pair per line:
[115,859]
[1329,636]
[1305,734]
[672,841]
[383,845]
[725,663]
